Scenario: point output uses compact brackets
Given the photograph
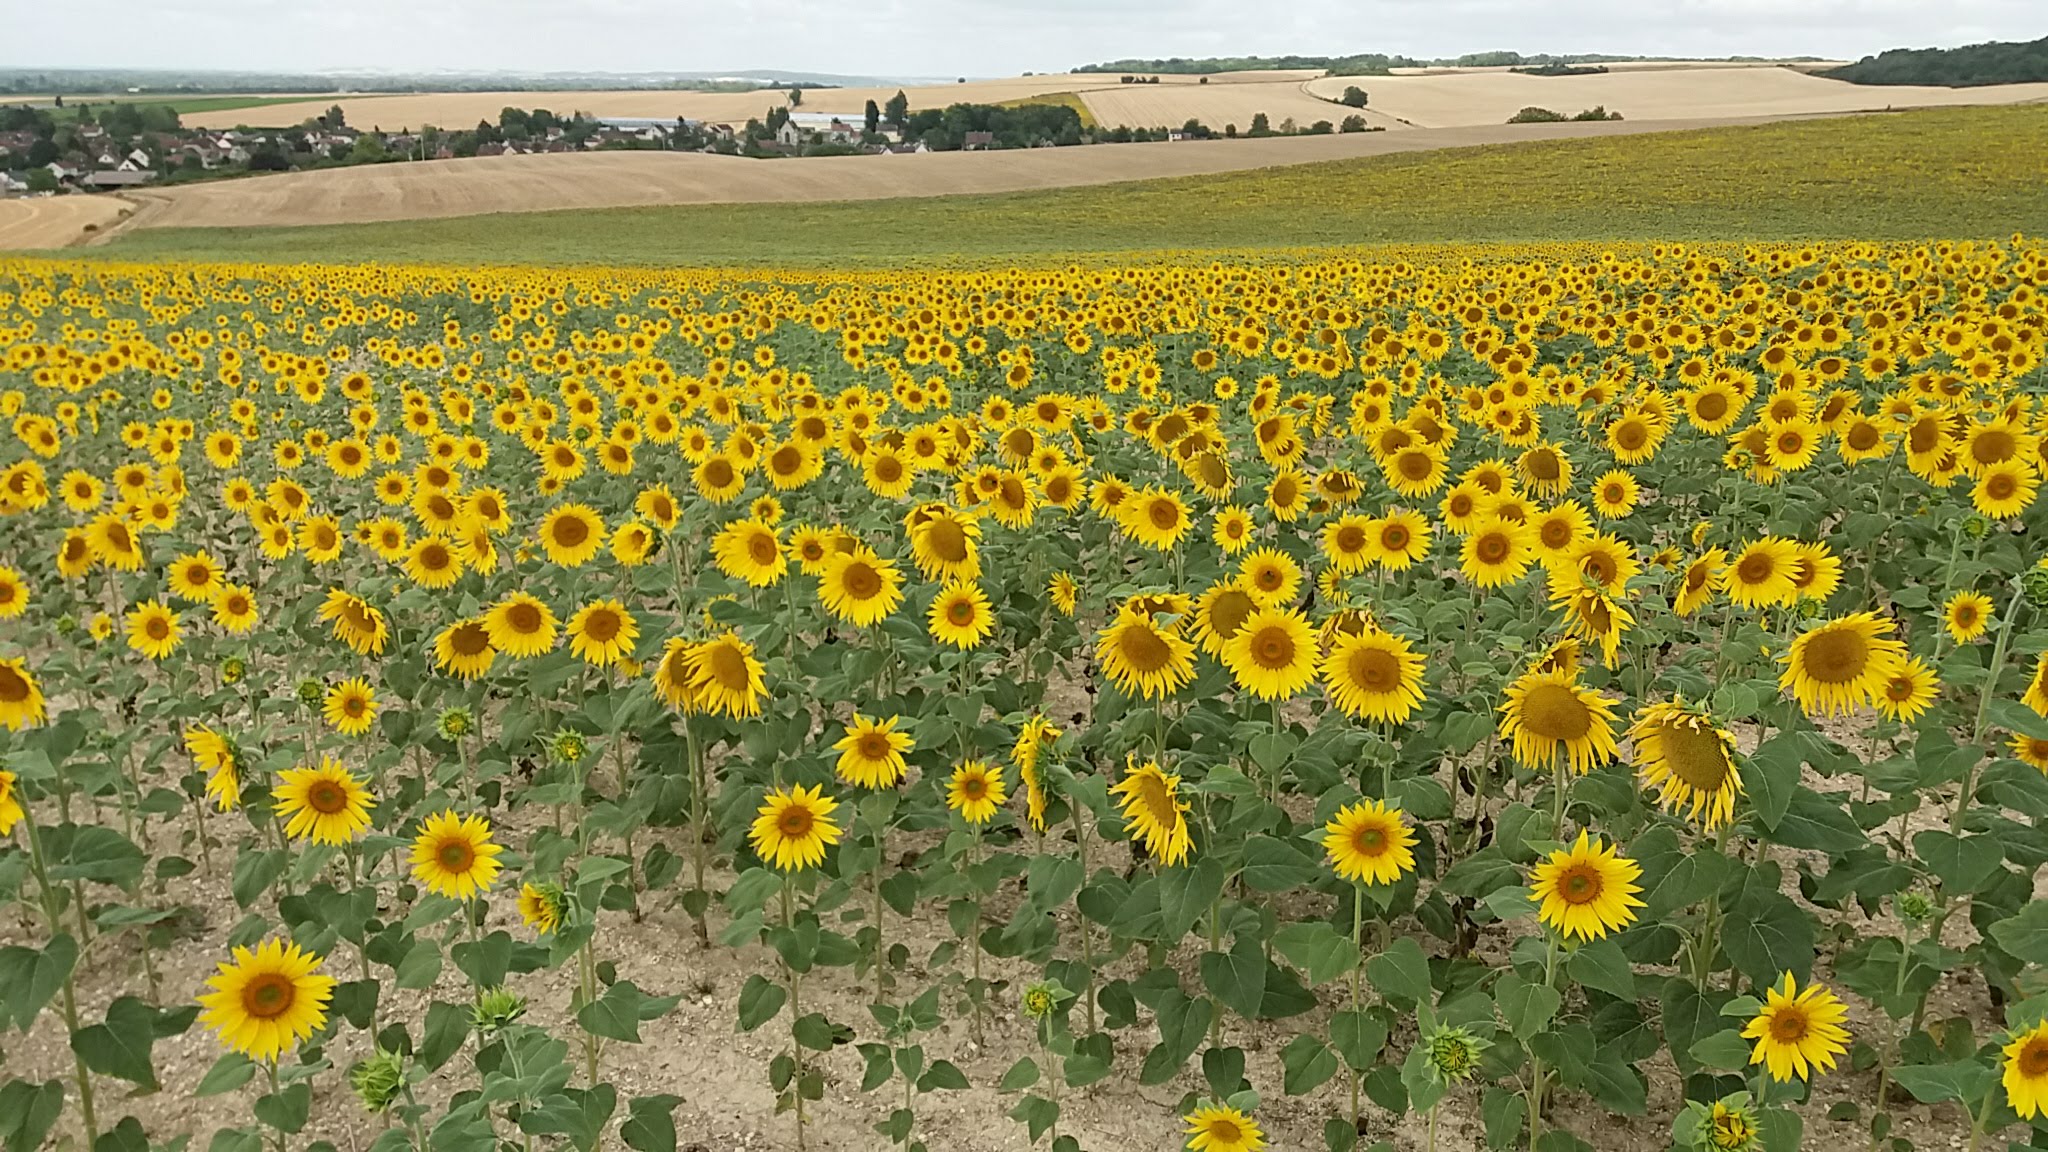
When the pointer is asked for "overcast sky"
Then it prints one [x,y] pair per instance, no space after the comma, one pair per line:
[947,37]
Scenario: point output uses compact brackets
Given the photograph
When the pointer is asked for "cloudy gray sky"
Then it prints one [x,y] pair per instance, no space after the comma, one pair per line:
[947,37]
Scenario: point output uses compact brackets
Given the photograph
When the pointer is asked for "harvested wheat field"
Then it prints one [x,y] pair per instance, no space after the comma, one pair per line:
[466,187]
[1218,105]
[56,221]
[458,109]
[1440,100]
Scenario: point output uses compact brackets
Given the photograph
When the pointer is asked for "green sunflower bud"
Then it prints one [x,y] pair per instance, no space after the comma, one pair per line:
[455,723]
[496,1009]
[1453,1053]
[378,1080]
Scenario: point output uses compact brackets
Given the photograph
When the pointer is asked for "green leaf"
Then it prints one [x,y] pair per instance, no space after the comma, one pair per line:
[1963,1082]
[1401,972]
[28,1112]
[650,1124]
[819,1034]
[447,1028]
[1962,863]
[1770,775]
[91,852]
[1527,1007]
[1359,1036]
[1237,977]
[28,978]
[1689,1016]
[1319,950]
[255,872]
[1037,1114]
[1223,1070]
[1817,823]
[760,1000]
[1767,935]
[1725,1051]
[1182,1023]
[1602,965]
[1308,1064]
[121,1046]
[942,1076]
[1621,1088]
[1502,1112]
[1185,894]
[1272,865]
[1023,1074]
[2025,935]
[228,1073]
[617,1014]
[578,1113]
[286,1110]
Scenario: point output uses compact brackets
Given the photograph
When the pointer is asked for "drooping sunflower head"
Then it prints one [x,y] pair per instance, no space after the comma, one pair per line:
[1154,814]
[1689,759]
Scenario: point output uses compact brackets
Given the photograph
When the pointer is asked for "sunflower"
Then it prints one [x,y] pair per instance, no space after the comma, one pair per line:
[794,827]
[1908,691]
[1220,613]
[1273,655]
[751,551]
[1798,1033]
[1233,529]
[1696,587]
[1270,576]
[213,754]
[234,608]
[1761,574]
[432,563]
[1497,552]
[267,1000]
[1145,658]
[1545,470]
[1586,891]
[463,649]
[1689,759]
[453,855]
[1839,664]
[542,907]
[195,577]
[571,534]
[871,752]
[943,544]
[1032,739]
[1398,540]
[10,808]
[728,678]
[326,805]
[1374,676]
[350,707]
[1155,518]
[1967,615]
[1064,593]
[1549,712]
[1558,528]
[114,543]
[1223,1129]
[1154,812]
[2026,1071]
[860,587]
[74,554]
[153,629]
[2036,696]
[1614,495]
[21,701]
[675,675]
[603,633]
[1369,843]
[2032,750]
[2005,489]
[357,623]
[976,791]
[520,625]
[1344,542]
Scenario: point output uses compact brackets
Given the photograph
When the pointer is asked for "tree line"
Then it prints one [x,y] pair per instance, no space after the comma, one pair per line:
[1978,64]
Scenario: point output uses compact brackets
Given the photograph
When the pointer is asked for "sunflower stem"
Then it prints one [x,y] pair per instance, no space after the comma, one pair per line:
[696,766]
[1991,675]
[1087,945]
[796,1013]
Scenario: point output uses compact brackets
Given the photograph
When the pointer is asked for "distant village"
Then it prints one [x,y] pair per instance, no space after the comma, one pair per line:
[129,145]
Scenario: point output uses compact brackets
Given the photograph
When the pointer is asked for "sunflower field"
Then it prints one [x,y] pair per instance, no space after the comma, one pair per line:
[1551,697]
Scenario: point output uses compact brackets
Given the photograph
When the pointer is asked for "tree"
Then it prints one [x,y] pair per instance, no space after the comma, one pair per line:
[871,118]
[1261,126]
[1230,130]
[42,180]
[796,96]
[333,117]
[1319,128]
[42,151]
[1353,97]
[898,109]
[1353,123]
